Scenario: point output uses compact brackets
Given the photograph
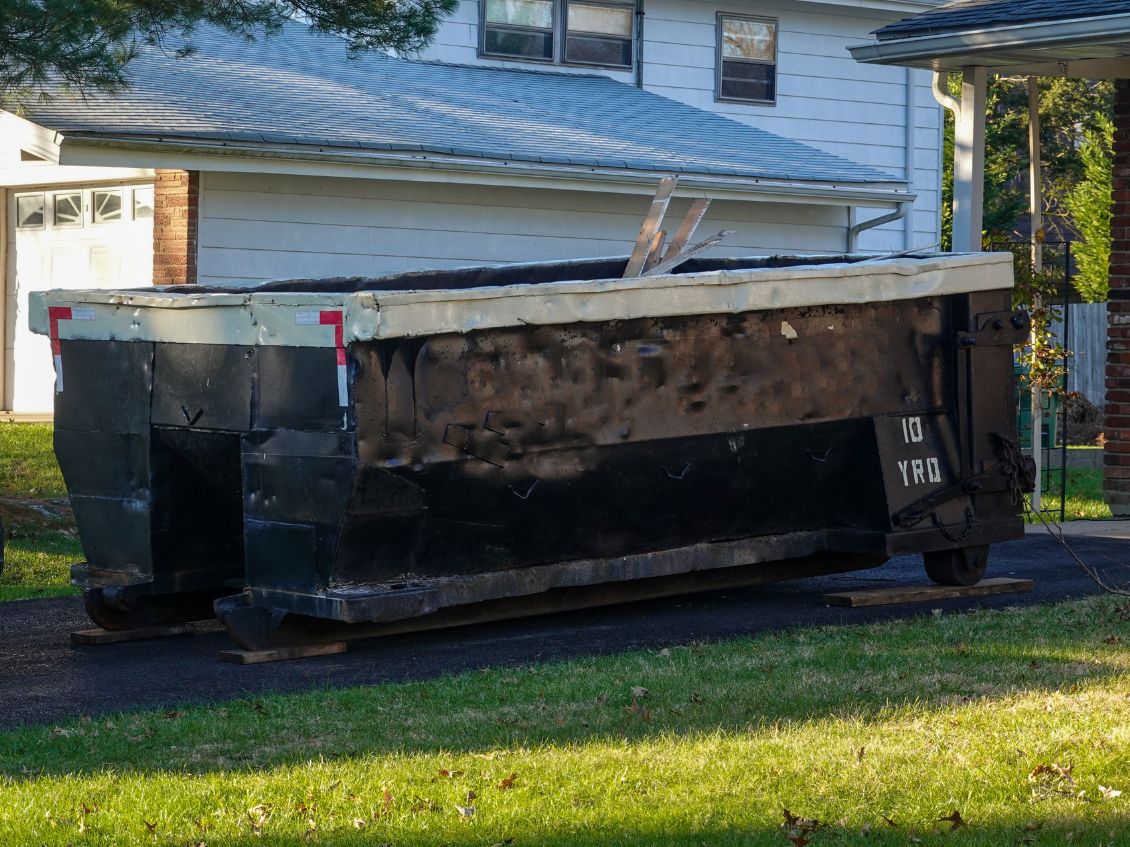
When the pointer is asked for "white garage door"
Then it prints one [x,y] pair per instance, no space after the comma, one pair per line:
[90,237]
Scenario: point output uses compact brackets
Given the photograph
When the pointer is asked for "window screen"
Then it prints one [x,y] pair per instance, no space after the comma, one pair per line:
[598,34]
[747,59]
[519,28]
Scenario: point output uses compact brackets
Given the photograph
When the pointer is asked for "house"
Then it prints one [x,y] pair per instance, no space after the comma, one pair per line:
[531,129]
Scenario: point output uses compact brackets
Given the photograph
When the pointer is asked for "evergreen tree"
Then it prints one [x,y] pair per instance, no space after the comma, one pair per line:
[88,44]
[1089,204]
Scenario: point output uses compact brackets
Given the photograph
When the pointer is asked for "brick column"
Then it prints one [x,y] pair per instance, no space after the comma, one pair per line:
[176,209]
[1116,453]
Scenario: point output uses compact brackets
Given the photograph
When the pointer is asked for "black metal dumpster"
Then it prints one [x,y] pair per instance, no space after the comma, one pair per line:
[408,448]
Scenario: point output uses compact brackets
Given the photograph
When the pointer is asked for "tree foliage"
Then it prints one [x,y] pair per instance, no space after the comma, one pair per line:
[1089,203]
[88,44]
[1069,109]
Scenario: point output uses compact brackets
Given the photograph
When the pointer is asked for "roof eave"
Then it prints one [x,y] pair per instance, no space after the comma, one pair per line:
[932,50]
[190,154]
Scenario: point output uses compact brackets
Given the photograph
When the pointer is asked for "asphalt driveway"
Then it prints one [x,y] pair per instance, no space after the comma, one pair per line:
[44,678]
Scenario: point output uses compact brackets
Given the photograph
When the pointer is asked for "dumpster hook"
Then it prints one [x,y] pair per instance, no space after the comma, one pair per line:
[529,490]
[681,475]
[823,458]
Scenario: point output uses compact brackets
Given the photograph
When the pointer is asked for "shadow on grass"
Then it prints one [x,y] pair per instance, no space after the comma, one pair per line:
[857,674]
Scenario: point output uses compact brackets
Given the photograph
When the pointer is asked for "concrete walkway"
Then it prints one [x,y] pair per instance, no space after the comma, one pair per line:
[1090,529]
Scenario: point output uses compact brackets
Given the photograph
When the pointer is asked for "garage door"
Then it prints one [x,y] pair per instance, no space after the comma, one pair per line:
[91,237]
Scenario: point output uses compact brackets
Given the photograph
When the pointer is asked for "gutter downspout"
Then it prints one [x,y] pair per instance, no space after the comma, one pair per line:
[908,231]
[639,43]
[854,229]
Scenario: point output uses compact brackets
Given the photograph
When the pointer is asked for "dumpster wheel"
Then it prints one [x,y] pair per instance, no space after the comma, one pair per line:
[117,610]
[960,566]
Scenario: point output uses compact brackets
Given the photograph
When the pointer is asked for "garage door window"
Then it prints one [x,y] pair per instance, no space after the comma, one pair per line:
[68,209]
[106,206]
[29,211]
[142,203]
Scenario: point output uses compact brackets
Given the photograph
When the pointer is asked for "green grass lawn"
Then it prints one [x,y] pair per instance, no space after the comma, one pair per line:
[41,541]
[1017,720]
[1084,499]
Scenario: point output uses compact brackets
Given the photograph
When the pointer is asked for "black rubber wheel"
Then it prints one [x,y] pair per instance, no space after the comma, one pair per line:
[963,566]
[147,610]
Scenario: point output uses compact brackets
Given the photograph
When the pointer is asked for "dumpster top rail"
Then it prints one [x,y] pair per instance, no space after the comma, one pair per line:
[338,311]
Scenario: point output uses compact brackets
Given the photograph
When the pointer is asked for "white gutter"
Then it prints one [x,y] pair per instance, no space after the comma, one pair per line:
[1028,36]
[107,151]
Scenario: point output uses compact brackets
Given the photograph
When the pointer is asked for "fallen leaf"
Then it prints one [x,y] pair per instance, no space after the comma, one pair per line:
[152,827]
[954,820]
[889,821]
[466,812]
[359,823]
[664,652]
[471,795]
[639,691]
[448,774]
[173,715]
[1031,826]
[1114,639]
[799,838]
[386,801]
[859,754]
[1109,793]
[790,818]
[508,782]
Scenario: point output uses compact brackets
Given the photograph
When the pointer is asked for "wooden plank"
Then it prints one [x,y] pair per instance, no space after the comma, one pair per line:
[705,244]
[650,226]
[654,252]
[281,654]
[686,229]
[118,636]
[922,593]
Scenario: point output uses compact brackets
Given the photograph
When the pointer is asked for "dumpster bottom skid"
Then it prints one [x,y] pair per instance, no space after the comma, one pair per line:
[424,479]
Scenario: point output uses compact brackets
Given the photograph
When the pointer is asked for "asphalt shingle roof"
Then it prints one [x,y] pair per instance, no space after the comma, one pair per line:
[298,88]
[977,14]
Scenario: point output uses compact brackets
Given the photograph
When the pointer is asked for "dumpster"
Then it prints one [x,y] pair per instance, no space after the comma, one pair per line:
[435,447]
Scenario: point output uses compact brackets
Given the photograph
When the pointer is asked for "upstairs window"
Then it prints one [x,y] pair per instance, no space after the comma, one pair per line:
[559,31]
[747,59]
[519,28]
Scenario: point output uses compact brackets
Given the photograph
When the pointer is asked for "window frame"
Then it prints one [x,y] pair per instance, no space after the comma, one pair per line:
[719,32]
[78,222]
[560,34]
[16,210]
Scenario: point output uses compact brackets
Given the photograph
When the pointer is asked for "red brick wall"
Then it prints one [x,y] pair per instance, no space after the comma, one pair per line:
[176,210]
[1116,453]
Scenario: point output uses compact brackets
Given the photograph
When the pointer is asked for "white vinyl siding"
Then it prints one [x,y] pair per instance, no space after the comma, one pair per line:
[824,97]
[255,227]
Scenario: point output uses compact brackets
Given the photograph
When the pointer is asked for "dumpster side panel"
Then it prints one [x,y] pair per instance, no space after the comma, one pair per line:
[515,447]
[102,443]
